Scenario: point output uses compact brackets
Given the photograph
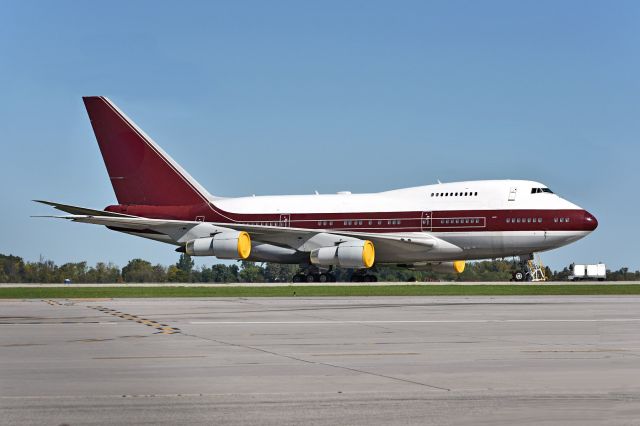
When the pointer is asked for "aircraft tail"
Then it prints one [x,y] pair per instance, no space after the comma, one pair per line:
[139,170]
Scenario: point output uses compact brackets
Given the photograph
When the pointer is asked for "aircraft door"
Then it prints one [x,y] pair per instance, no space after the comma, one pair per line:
[285,220]
[425,222]
[512,193]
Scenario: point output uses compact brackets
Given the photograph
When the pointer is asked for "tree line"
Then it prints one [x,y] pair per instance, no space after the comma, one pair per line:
[14,269]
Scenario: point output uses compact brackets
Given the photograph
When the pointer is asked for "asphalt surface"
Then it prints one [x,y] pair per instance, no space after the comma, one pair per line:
[321,361]
[304,284]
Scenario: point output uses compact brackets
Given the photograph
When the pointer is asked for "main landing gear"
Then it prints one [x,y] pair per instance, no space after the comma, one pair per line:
[312,274]
[363,276]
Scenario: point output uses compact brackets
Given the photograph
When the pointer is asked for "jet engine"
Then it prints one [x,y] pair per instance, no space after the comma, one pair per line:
[226,245]
[350,254]
[456,266]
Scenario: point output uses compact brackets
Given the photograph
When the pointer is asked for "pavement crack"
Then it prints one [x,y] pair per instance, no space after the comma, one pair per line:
[326,364]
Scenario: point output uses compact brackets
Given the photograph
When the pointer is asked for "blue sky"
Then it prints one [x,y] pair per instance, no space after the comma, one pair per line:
[291,97]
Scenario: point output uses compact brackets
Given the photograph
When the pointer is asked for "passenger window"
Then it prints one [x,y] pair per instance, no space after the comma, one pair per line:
[539,220]
[567,220]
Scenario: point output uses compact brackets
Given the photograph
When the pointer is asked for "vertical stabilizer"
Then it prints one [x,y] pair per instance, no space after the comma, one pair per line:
[139,170]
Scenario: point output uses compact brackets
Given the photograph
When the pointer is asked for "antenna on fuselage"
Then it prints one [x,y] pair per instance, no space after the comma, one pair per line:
[440,183]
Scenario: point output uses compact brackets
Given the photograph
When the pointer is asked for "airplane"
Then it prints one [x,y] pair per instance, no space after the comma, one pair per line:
[441,225]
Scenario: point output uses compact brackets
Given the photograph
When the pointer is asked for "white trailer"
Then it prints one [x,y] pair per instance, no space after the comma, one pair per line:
[597,271]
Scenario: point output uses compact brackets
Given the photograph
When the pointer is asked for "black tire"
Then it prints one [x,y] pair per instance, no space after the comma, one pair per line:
[297,278]
[518,276]
[323,278]
[311,278]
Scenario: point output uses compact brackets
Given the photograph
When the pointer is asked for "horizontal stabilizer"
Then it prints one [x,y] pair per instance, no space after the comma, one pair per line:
[67,208]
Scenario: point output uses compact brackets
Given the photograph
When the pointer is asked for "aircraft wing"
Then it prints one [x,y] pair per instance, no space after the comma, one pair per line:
[181,231]
[281,235]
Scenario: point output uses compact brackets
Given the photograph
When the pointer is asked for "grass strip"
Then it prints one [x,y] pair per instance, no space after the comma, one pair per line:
[313,291]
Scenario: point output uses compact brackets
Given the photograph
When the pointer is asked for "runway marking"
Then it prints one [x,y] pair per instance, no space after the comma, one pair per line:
[162,328]
[60,323]
[412,321]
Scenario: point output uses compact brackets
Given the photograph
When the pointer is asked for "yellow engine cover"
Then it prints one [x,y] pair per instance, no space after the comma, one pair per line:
[244,245]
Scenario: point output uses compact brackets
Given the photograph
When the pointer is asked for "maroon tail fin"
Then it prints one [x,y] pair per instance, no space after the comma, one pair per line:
[140,171]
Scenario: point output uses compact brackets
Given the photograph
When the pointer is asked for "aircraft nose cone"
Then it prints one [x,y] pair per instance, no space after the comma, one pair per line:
[590,222]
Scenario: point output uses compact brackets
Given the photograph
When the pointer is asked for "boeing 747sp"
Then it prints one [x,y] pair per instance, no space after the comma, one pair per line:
[443,224]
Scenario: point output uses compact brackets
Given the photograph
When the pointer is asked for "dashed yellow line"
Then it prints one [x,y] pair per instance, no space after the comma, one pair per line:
[162,328]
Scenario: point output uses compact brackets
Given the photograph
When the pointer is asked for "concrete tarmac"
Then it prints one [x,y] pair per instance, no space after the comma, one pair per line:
[305,284]
[321,361]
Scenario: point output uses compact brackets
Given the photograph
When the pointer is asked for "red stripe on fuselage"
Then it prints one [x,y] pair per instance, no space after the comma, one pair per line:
[384,222]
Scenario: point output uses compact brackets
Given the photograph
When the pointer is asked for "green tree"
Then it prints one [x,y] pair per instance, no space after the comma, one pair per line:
[103,273]
[184,266]
[277,272]
[251,273]
[141,271]
[11,269]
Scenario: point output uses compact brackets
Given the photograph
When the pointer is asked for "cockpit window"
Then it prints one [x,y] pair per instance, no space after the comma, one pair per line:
[541,190]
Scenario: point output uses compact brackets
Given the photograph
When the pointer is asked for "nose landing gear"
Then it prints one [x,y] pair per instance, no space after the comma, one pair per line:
[529,269]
